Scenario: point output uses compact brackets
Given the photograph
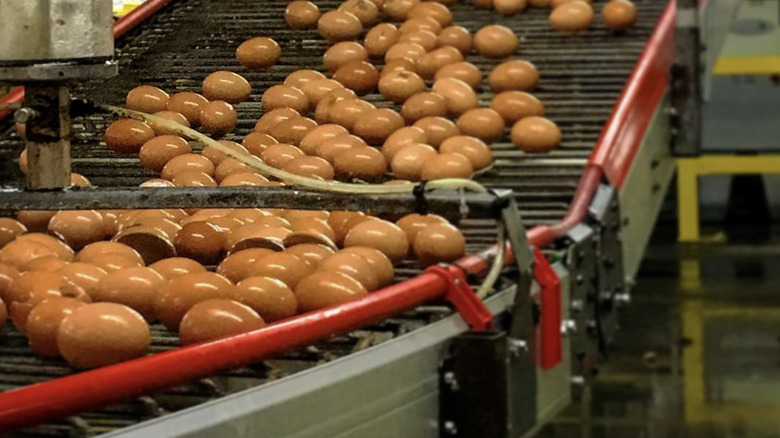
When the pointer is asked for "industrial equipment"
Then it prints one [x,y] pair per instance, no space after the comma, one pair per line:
[421,357]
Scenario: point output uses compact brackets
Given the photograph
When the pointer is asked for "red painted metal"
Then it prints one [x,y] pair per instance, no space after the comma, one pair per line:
[87,390]
[463,298]
[549,341]
[121,27]
[79,392]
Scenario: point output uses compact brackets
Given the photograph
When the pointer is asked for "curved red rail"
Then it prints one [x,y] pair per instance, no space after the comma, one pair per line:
[121,27]
[79,392]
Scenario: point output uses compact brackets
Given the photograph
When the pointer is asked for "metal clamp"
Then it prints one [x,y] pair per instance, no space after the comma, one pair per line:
[466,302]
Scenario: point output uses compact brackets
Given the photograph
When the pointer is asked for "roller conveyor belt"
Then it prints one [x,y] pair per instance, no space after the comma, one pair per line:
[581,78]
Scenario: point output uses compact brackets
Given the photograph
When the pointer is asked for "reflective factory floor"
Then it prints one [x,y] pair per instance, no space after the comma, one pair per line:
[698,352]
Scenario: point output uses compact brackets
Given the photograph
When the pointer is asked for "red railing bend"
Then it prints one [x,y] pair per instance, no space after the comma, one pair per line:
[121,27]
[611,159]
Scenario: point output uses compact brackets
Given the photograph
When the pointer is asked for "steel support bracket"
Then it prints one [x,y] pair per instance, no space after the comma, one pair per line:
[486,389]
[550,341]
[463,298]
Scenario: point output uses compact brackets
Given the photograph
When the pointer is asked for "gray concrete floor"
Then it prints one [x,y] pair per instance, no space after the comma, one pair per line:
[698,353]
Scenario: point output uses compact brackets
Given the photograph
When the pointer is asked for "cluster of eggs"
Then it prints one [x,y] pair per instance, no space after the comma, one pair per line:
[206,275]
[569,17]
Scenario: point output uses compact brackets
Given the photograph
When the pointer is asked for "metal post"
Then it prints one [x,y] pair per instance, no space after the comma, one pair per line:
[47,118]
[686,81]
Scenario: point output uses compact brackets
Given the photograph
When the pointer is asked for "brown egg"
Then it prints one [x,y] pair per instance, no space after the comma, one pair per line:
[312,223]
[96,251]
[44,321]
[155,153]
[424,38]
[126,136]
[407,163]
[279,154]
[342,53]
[114,262]
[495,41]
[258,53]
[365,10]
[255,143]
[10,229]
[352,265]
[380,38]
[284,96]
[302,14]
[459,95]
[151,243]
[156,182]
[239,265]
[181,293]
[446,166]
[291,215]
[200,241]
[375,126]
[244,179]
[273,117]
[441,243]
[218,118]
[147,99]
[172,116]
[32,288]
[359,76]
[270,298]
[319,135]
[7,276]
[484,123]
[326,289]
[456,36]
[299,78]
[257,235]
[346,112]
[59,247]
[35,220]
[293,130]
[401,85]
[398,10]
[379,234]
[165,226]
[20,252]
[337,26]
[618,15]
[187,104]
[536,135]
[193,178]
[249,215]
[343,221]
[229,167]
[437,129]
[425,104]
[403,137]
[570,17]
[285,267]
[413,223]
[225,223]
[410,51]
[330,148]
[50,263]
[509,7]
[173,267]
[317,89]
[24,164]
[515,105]
[311,253]
[217,157]
[474,149]
[217,318]
[420,23]
[310,167]
[137,288]
[186,162]
[513,75]
[363,163]
[434,10]
[79,180]
[102,334]
[381,266]
[431,62]
[322,112]
[398,64]
[77,227]
[110,218]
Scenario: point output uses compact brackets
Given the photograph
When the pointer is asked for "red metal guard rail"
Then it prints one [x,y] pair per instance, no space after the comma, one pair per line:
[90,389]
[121,27]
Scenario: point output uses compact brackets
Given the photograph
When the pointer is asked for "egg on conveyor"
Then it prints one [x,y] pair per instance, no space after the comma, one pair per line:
[407,163]
[137,288]
[326,289]
[513,75]
[270,298]
[495,41]
[439,243]
[572,16]
[379,234]
[259,53]
[173,267]
[156,153]
[126,136]
[363,163]
[217,318]
[536,135]
[187,104]
[477,152]
[302,14]
[456,36]
[218,118]
[352,265]
[380,38]
[101,334]
[484,123]
[181,293]
[44,322]
[336,26]
[618,15]
[147,99]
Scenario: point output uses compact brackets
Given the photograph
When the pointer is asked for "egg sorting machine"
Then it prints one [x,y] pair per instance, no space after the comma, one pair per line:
[408,365]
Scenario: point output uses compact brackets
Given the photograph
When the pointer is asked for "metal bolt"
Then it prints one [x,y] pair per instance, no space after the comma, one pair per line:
[451,381]
[450,428]
[578,380]
[577,305]
[23,115]
[517,346]
[622,298]
[568,326]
